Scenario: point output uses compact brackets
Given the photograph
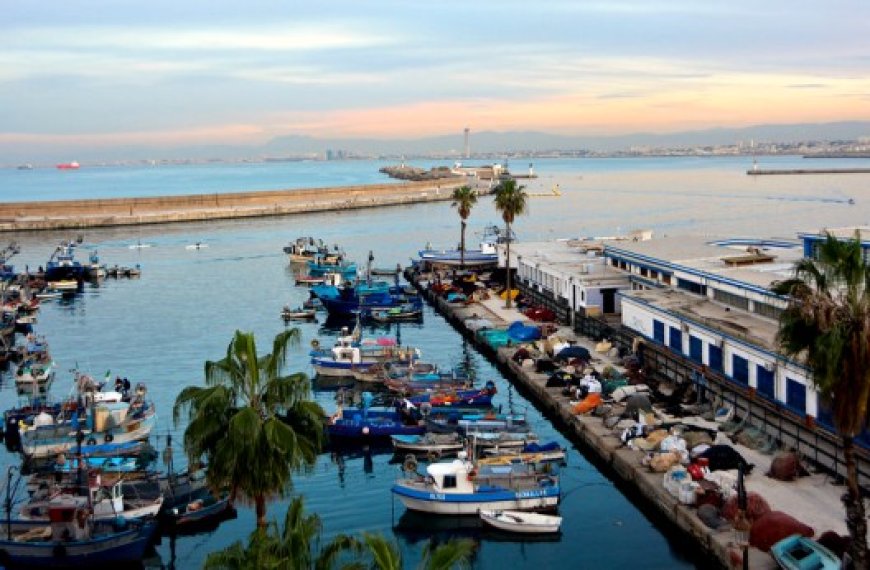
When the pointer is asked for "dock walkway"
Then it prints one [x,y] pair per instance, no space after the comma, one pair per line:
[814,500]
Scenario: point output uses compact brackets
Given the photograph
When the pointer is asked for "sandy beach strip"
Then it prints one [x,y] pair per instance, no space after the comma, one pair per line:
[71,214]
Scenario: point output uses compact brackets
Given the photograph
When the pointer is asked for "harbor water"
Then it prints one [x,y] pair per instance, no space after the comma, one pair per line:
[161,327]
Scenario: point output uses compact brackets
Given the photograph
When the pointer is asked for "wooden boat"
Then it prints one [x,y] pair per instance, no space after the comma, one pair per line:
[71,539]
[298,314]
[798,552]
[106,504]
[430,444]
[521,522]
[199,511]
[407,312]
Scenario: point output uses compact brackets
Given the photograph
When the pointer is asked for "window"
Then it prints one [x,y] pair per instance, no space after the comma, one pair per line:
[692,287]
[449,482]
[731,299]
[766,310]
[696,348]
[666,278]
[766,383]
[715,354]
[796,397]
[740,369]
[659,331]
[676,340]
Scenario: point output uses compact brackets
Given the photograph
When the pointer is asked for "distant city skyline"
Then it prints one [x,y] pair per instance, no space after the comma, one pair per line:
[98,74]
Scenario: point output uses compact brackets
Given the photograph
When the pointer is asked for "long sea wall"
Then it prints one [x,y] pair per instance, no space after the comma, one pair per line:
[71,214]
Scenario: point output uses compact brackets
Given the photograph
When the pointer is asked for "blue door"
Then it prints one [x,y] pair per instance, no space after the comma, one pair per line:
[766,384]
[696,348]
[659,331]
[740,371]
[715,354]
[796,398]
[676,340]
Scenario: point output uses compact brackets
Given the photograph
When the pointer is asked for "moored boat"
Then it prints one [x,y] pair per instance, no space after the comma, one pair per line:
[460,487]
[798,552]
[298,314]
[72,539]
[521,522]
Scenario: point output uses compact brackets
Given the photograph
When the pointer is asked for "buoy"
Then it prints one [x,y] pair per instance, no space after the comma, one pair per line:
[365,430]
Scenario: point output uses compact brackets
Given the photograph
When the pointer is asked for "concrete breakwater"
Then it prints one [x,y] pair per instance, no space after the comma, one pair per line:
[771,172]
[72,214]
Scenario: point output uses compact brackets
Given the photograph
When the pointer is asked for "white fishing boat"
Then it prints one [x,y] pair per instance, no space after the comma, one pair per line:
[460,487]
[521,522]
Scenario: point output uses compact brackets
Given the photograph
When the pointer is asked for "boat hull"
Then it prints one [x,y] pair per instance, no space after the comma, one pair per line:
[523,523]
[470,503]
[115,548]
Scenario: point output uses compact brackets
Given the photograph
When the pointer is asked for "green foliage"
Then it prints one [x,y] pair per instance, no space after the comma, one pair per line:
[252,424]
[827,324]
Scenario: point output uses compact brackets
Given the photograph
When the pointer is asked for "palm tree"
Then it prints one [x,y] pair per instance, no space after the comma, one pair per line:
[827,323]
[464,198]
[511,200]
[252,424]
[291,547]
[455,553]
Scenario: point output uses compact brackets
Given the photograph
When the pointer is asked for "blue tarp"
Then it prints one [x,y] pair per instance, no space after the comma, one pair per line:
[520,332]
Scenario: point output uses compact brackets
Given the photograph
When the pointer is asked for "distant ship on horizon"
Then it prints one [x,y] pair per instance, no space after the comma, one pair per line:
[68,165]
[26,166]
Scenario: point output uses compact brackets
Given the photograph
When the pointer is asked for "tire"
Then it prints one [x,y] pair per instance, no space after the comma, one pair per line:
[91,441]
[109,438]
[433,455]
[425,409]
[410,463]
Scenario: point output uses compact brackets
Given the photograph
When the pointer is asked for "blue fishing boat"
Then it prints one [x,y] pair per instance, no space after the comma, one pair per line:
[485,255]
[71,538]
[473,397]
[460,487]
[798,552]
[62,266]
[368,422]
[199,511]
[349,299]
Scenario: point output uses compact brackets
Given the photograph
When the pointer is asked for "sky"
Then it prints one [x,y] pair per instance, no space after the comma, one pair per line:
[166,73]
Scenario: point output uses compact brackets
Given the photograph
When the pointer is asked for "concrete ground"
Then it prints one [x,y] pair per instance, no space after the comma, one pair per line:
[814,500]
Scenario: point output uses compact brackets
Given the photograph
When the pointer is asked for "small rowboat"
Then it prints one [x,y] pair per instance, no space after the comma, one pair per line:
[308,281]
[522,522]
[289,314]
[798,552]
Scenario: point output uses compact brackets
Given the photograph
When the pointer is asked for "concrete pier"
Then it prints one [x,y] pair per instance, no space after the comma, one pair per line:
[813,500]
[76,214]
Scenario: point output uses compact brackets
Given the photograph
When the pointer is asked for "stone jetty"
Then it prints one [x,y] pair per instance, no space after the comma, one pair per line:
[75,214]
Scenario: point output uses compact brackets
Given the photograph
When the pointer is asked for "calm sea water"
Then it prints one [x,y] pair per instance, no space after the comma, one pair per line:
[160,328]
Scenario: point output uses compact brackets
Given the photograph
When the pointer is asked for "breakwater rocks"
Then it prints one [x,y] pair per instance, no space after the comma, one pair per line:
[404,172]
[72,214]
[599,443]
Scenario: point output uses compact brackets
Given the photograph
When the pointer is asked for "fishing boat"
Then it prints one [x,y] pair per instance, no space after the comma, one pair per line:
[351,299]
[71,538]
[93,269]
[199,511]
[521,522]
[460,487]
[108,422]
[105,503]
[62,265]
[798,552]
[486,255]
[298,314]
[459,398]
[341,360]
[430,444]
[368,422]
[406,312]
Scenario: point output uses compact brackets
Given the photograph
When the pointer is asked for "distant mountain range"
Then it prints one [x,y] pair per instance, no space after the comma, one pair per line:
[486,142]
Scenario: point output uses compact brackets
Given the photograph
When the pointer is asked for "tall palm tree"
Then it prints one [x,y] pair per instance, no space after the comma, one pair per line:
[293,546]
[827,324]
[455,553]
[464,199]
[251,423]
[511,200]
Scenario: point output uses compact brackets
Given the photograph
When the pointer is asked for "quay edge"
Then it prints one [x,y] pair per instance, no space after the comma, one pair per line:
[604,449]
